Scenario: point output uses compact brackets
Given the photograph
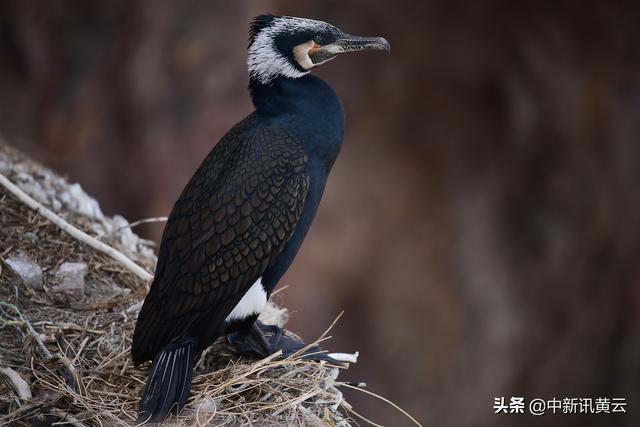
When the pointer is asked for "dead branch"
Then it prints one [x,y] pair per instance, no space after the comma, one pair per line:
[73,231]
[19,384]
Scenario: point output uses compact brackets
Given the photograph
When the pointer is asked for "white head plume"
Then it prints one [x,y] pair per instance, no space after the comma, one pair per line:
[264,61]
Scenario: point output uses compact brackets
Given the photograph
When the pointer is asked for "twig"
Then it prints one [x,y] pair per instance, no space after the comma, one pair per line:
[22,412]
[12,319]
[66,418]
[68,327]
[323,337]
[36,336]
[364,418]
[68,365]
[80,349]
[286,405]
[143,221]
[324,334]
[73,231]
[405,413]
[19,384]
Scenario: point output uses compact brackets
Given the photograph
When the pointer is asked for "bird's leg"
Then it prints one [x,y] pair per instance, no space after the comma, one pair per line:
[263,340]
[250,339]
[266,345]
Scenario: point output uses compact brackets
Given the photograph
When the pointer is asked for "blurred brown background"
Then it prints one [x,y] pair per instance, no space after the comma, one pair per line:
[481,228]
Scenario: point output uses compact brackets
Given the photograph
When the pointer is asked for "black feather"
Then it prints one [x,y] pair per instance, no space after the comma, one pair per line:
[199,278]
[169,382]
[259,23]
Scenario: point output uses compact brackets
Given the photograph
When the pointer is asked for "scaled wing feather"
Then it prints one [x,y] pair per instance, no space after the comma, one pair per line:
[229,224]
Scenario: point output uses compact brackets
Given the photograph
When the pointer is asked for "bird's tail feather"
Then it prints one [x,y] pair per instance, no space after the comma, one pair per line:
[169,381]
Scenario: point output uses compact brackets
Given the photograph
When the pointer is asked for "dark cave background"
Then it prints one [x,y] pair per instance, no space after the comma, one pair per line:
[481,227]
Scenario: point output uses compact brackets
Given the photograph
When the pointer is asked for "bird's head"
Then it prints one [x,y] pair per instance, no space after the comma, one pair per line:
[290,47]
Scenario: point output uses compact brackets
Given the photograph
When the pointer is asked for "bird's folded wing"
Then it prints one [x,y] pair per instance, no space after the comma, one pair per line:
[228,225]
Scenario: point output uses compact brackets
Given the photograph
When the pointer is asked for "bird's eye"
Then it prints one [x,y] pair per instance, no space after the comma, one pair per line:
[317,40]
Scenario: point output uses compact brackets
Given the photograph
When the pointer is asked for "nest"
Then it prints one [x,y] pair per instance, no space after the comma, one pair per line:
[65,353]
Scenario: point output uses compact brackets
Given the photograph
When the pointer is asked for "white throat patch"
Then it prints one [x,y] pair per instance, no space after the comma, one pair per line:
[264,61]
[301,54]
[251,303]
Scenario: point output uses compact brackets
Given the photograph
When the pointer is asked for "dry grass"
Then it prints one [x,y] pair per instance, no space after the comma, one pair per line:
[65,359]
[84,374]
[91,378]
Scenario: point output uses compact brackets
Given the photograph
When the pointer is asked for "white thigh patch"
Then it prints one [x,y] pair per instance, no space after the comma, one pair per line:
[251,303]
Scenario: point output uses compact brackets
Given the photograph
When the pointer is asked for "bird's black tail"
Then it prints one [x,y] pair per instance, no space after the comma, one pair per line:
[169,381]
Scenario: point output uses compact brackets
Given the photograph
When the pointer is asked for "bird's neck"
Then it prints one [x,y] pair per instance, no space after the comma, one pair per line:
[306,105]
[287,96]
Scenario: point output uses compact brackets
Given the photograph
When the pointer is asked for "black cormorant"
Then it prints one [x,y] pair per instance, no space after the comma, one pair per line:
[242,217]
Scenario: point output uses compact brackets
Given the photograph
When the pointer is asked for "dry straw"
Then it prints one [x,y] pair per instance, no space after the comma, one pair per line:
[67,362]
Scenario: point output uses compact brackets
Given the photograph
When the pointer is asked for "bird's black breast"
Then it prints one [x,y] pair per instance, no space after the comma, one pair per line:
[228,226]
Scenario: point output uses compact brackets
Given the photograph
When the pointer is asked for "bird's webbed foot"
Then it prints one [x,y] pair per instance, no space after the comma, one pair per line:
[263,340]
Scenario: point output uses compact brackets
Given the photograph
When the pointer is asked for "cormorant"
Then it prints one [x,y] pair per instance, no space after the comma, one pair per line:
[242,217]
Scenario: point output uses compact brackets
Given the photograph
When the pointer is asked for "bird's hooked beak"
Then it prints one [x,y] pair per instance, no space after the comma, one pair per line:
[347,43]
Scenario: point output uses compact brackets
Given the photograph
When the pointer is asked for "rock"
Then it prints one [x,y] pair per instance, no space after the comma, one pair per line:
[125,235]
[19,384]
[26,268]
[80,202]
[70,276]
